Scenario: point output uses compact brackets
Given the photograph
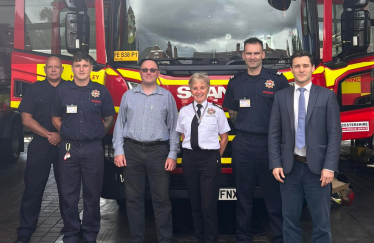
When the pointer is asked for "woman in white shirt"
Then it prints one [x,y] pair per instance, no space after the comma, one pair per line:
[201,123]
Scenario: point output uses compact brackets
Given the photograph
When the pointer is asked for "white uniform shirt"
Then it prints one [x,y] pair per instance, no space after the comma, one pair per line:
[302,151]
[213,123]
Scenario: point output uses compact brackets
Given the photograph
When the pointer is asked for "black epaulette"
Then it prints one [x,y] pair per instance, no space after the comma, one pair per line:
[217,105]
[236,75]
[276,72]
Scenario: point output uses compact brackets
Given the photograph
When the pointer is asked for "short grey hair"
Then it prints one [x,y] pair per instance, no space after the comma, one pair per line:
[199,76]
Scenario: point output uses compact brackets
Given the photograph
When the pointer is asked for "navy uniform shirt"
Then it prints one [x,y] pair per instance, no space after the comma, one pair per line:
[260,91]
[37,101]
[93,103]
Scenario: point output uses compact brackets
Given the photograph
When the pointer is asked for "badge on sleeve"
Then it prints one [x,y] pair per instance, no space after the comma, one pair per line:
[71,109]
[95,93]
[269,84]
[245,103]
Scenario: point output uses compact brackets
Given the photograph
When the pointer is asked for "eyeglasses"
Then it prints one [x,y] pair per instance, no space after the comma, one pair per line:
[145,70]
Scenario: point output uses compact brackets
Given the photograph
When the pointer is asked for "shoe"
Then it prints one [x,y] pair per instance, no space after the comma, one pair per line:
[90,242]
[21,239]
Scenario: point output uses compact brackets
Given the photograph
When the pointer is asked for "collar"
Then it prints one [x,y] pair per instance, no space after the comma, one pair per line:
[158,90]
[90,85]
[307,87]
[46,82]
[204,104]
[264,74]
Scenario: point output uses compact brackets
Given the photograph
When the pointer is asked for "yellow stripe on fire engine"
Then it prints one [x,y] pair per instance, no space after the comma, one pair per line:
[223,161]
[332,75]
[352,85]
[15,104]
[67,74]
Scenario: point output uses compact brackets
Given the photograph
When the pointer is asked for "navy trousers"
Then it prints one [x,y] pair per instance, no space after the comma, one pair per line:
[84,167]
[250,156]
[40,156]
[202,173]
[301,183]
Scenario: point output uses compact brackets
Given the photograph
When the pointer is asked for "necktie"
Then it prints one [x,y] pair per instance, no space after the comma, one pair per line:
[195,130]
[300,135]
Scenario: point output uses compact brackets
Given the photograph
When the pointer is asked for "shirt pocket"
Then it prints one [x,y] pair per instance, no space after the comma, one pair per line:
[266,94]
[96,107]
[209,125]
[186,125]
[42,105]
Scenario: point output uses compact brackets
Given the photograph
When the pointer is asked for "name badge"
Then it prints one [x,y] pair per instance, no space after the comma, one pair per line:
[245,103]
[71,109]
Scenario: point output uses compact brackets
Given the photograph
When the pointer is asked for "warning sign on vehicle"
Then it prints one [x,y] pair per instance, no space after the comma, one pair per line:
[362,126]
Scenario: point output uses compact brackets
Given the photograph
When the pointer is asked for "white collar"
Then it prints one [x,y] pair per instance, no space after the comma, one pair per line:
[307,87]
[203,104]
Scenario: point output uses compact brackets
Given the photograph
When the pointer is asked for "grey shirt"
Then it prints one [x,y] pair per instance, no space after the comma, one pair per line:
[147,118]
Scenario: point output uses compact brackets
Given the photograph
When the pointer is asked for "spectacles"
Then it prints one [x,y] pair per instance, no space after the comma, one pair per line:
[145,70]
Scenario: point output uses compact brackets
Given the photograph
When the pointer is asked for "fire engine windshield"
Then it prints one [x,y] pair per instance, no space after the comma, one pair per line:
[212,31]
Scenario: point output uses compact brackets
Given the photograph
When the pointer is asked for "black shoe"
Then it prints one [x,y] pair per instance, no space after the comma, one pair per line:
[90,242]
[21,239]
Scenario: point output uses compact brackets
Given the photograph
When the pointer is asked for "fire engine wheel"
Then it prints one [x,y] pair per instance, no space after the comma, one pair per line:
[11,147]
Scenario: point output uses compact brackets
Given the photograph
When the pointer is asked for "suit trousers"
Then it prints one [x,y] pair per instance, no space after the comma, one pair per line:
[141,161]
[300,183]
[85,167]
[202,173]
[250,157]
[40,156]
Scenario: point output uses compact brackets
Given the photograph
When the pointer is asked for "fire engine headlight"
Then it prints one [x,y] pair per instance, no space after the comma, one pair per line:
[132,84]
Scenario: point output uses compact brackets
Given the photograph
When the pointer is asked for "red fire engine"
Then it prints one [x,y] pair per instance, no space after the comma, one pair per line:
[199,36]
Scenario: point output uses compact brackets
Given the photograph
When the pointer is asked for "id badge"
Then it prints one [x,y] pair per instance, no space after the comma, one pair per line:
[245,103]
[71,109]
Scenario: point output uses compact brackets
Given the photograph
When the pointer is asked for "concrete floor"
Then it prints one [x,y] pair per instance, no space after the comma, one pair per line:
[353,223]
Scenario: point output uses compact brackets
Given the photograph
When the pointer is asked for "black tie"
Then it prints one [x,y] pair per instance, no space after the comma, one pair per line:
[195,130]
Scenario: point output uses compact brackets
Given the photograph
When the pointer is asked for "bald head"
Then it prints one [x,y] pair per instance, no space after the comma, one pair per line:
[53,69]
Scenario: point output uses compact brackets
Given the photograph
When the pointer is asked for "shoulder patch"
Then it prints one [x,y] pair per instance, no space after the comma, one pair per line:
[217,105]
[276,72]
[235,75]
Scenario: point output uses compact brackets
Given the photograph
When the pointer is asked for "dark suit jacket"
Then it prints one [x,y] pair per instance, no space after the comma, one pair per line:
[323,131]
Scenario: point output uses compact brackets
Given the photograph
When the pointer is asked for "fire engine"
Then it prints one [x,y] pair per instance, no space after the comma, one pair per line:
[185,37]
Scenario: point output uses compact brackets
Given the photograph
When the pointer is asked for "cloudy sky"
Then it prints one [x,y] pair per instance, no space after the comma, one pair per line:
[203,25]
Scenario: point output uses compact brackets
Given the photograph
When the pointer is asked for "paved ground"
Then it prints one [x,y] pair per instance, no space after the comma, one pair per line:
[354,223]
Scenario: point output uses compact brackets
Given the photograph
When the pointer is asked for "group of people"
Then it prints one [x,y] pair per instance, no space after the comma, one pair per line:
[288,135]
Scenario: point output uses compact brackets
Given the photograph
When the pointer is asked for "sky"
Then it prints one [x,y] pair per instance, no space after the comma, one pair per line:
[204,25]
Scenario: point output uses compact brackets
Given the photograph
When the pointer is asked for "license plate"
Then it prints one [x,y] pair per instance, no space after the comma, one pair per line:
[227,194]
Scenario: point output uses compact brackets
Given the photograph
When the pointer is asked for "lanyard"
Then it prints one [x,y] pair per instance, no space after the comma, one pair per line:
[202,114]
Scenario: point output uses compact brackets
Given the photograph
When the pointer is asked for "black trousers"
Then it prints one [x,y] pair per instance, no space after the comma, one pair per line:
[202,173]
[150,160]
[250,156]
[85,167]
[40,156]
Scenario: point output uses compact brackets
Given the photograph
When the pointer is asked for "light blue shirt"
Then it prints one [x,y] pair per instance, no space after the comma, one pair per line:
[147,118]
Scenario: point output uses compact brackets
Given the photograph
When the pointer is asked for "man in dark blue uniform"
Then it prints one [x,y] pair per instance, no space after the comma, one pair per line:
[249,98]
[83,112]
[42,151]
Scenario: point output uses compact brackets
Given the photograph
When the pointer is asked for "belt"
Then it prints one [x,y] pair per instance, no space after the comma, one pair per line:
[300,158]
[147,144]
